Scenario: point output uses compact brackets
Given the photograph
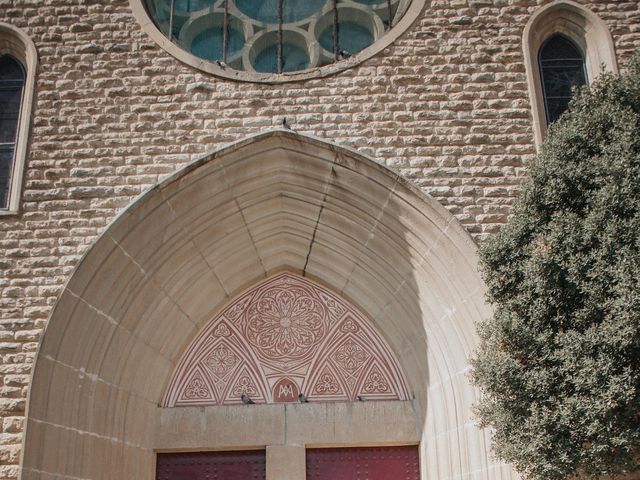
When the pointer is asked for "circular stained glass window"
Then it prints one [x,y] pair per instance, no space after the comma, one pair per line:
[274,36]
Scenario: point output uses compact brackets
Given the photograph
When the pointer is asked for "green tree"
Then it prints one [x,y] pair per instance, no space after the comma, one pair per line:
[559,362]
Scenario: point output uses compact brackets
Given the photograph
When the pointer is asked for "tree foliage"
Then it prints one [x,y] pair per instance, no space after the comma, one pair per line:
[559,362]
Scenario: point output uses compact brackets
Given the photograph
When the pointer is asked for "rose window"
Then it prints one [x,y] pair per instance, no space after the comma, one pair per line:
[274,36]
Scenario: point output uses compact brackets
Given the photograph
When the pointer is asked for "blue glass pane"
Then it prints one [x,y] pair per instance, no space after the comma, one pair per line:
[208,43]
[192,5]
[295,58]
[326,38]
[10,69]
[561,70]
[295,10]
[159,11]
[559,47]
[267,10]
[266,60]
[6,163]
[10,99]
[352,37]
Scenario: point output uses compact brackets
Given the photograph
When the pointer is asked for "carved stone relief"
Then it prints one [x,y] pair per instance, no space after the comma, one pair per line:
[284,337]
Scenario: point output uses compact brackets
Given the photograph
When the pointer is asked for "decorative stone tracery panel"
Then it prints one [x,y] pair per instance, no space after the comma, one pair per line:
[284,337]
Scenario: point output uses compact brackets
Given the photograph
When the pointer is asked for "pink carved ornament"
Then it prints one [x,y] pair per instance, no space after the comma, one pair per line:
[284,337]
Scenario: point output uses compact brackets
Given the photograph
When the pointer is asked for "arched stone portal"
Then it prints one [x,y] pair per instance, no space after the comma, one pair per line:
[174,259]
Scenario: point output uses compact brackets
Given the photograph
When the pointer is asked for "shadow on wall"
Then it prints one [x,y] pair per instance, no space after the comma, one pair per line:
[178,255]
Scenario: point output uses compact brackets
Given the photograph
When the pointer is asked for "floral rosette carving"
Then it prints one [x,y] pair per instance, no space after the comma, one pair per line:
[286,323]
[221,361]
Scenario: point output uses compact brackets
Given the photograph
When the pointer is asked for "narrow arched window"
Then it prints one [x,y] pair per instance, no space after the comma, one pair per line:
[12,78]
[562,68]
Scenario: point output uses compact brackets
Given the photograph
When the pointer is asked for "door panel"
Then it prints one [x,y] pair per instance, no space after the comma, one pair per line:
[246,465]
[371,463]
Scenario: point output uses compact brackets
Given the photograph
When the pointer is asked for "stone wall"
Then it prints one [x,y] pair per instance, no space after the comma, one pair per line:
[446,106]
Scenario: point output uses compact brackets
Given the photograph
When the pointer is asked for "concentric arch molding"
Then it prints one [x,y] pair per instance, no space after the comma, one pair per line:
[412,12]
[184,250]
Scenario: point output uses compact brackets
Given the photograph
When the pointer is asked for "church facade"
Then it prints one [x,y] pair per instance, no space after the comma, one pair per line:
[240,238]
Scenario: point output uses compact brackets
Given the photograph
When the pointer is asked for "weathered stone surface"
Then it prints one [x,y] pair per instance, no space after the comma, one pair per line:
[446,105]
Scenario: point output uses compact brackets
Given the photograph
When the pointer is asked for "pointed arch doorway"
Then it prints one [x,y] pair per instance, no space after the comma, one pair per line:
[181,253]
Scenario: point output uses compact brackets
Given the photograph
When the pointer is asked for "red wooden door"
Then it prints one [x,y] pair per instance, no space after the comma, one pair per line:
[247,465]
[371,463]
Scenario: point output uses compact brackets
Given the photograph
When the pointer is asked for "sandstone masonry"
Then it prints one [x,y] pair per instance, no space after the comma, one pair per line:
[446,106]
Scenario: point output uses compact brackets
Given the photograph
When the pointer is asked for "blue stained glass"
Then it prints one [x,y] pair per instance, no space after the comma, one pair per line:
[313,19]
[192,5]
[266,60]
[6,165]
[352,37]
[10,70]
[267,10]
[159,11]
[295,58]
[208,43]
[561,69]
[10,99]
[326,38]
[11,83]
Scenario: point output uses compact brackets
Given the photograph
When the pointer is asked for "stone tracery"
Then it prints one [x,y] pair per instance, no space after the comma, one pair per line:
[274,37]
[284,336]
